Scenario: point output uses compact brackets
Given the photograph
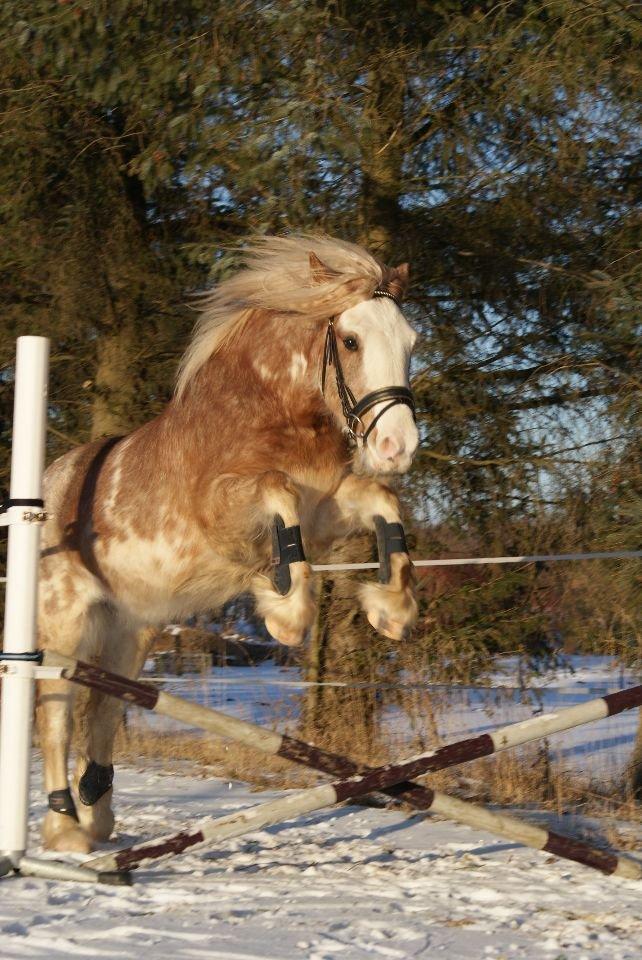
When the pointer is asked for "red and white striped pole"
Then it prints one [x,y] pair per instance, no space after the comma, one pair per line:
[392,778]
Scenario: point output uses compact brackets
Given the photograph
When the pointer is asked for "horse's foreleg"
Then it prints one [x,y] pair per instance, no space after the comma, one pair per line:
[123,653]
[247,516]
[285,600]
[364,503]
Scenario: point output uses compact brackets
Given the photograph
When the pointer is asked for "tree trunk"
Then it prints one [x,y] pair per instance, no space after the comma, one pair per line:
[115,384]
[314,665]
[345,647]
[381,163]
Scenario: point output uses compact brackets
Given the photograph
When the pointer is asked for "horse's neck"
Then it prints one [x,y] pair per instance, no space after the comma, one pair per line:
[271,363]
[265,378]
[283,356]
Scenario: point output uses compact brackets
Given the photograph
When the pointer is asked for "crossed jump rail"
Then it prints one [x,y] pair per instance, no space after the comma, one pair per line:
[394,779]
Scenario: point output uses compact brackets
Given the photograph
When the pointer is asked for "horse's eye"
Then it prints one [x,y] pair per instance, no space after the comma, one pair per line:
[350,343]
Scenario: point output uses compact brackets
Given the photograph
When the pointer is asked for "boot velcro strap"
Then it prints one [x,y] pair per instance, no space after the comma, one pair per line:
[95,782]
[287,548]
[61,801]
[390,539]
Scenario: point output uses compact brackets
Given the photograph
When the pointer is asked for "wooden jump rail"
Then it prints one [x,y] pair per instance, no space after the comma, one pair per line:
[393,779]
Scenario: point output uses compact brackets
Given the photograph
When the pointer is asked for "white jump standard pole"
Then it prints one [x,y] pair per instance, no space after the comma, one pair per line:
[23,515]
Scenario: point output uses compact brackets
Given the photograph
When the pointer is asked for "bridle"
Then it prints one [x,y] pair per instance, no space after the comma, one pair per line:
[354,411]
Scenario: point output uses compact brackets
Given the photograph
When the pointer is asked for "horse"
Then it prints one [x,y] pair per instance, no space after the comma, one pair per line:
[263,456]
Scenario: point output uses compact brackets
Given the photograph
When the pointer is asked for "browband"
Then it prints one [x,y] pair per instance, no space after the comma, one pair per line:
[379,292]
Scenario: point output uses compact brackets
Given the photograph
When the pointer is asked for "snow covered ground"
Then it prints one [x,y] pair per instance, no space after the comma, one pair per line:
[351,883]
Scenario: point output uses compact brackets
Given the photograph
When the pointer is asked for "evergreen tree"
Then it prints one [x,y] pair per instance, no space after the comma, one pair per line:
[494,146]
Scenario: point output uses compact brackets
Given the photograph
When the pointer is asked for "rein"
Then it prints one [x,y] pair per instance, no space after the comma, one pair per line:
[354,411]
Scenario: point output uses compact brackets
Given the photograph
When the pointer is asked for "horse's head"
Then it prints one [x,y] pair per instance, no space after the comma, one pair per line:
[284,284]
[366,375]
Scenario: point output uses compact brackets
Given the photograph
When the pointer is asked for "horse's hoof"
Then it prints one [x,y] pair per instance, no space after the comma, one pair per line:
[66,837]
[287,635]
[393,613]
[392,629]
[101,826]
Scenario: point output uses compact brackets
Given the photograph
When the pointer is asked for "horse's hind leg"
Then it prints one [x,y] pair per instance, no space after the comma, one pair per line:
[70,635]
[123,651]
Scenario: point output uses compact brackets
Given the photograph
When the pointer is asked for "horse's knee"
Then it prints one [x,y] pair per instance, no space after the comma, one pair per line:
[280,496]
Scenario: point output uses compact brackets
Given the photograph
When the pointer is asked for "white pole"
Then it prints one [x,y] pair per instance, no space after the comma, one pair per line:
[16,715]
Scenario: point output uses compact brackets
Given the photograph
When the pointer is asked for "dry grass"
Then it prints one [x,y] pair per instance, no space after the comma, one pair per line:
[523,778]
[212,756]
[509,780]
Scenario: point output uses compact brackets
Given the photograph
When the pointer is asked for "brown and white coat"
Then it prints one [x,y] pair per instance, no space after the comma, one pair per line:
[177,517]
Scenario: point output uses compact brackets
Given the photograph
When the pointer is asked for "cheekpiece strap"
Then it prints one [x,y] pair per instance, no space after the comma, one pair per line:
[331,359]
[352,410]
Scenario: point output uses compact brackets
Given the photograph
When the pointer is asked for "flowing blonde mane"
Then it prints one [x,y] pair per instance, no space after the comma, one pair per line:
[275,275]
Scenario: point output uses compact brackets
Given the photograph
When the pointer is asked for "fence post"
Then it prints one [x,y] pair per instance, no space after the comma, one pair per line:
[16,715]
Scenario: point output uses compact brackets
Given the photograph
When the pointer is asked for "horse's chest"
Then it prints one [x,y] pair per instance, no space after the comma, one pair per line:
[315,487]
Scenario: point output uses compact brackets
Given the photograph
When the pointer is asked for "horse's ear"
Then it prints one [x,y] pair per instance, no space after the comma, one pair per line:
[396,280]
[402,272]
[320,271]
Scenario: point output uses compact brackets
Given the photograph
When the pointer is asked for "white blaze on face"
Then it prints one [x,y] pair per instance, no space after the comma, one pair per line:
[385,340]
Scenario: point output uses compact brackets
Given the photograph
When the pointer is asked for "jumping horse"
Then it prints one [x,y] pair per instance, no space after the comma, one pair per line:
[263,456]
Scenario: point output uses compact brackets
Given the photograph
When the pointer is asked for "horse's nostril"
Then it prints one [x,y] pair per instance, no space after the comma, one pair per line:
[389,448]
